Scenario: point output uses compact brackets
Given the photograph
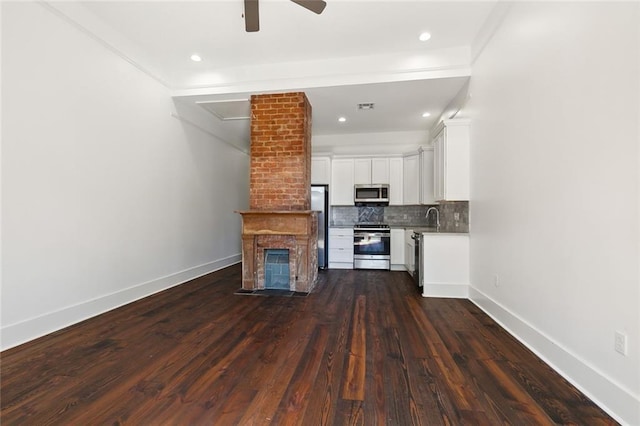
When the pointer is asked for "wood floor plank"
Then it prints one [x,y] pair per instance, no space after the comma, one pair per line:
[375,405]
[363,349]
[353,388]
[296,398]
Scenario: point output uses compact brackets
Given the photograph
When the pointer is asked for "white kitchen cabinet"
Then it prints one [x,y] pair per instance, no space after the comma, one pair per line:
[411,179]
[397,249]
[321,170]
[362,171]
[379,170]
[395,181]
[426,176]
[341,187]
[371,171]
[451,161]
[340,248]
[409,251]
[445,265]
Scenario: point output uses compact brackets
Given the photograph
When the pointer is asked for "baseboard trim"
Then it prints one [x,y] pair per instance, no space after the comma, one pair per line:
[616,400]
[398,267]
[452,291]
[24,331]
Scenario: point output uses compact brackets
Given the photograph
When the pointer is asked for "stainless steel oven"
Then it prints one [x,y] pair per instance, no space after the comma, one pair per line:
[371,246]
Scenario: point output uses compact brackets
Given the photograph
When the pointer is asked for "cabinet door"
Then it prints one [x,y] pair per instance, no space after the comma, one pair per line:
[451,162]
[446,265]
[397,247]
[341,188]
[321,170]
[362,171]
[395,181]
[380,170]
[426,177]
[409,253]
[438,166]
[340,248]
[456,161]
[411,171]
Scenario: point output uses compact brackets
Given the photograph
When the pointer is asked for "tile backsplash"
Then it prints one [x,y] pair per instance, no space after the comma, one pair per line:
[454,215]
[370,214]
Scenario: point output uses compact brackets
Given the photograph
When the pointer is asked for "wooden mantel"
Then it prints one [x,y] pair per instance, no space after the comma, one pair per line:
[295,230]
[277,222]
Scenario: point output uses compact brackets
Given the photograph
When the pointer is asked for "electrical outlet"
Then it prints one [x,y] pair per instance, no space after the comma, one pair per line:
[456,216]
[496,280]
[620,343]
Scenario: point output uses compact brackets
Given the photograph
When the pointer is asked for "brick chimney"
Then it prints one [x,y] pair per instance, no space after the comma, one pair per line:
[280,192]
[280,152]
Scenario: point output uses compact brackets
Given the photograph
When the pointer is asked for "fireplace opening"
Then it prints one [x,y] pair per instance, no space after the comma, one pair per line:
[276,269]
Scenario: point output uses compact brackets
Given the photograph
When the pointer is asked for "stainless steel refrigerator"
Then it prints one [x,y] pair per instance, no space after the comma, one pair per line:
[320,202]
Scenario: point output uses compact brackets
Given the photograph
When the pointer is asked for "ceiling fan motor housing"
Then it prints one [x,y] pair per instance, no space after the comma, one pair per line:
[252,11]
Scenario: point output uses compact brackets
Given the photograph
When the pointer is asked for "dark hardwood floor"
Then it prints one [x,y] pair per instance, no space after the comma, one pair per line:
[364,348]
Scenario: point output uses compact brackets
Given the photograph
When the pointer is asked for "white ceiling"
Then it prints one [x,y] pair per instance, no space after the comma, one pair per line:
[354,52]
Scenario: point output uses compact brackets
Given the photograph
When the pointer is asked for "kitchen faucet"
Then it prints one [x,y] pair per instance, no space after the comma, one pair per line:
[426,216]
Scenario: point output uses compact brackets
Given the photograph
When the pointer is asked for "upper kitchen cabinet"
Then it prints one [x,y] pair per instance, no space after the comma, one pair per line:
[345,172]
[411,181]
[426,176]
[395,181]
[380,170]
[451,161]
[371,171]
[321,170]
[341,187]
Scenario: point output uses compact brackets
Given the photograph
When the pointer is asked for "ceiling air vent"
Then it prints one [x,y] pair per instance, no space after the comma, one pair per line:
[366,106]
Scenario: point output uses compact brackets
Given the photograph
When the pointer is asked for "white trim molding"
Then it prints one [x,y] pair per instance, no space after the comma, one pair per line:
[447,290]
[619,402]
[24,331]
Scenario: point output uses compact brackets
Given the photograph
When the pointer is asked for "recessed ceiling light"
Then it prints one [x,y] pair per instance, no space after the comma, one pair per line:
[426,114]
[342,119]
[424,36]
[196,58]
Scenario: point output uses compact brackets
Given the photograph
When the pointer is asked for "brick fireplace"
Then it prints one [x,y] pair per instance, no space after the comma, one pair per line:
[280,192]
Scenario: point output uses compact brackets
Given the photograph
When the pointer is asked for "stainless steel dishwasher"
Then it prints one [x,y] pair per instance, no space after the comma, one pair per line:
[418,239]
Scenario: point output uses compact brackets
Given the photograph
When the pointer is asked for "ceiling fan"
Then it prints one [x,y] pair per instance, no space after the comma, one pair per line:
[252,19]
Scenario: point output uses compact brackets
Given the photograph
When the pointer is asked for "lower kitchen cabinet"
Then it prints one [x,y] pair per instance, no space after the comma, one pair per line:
[409,251]
[446,265]
[397,250]
[340,248]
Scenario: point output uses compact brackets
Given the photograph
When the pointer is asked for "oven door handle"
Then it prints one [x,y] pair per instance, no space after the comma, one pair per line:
[371,234]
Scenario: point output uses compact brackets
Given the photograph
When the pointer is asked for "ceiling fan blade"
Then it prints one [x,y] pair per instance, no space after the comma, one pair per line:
[251,16]
[316,6]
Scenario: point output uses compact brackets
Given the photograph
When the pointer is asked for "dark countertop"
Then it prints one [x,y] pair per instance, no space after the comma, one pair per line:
[416,228]
[433,230]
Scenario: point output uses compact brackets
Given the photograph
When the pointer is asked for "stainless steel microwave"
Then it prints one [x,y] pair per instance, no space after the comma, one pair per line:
[371,195]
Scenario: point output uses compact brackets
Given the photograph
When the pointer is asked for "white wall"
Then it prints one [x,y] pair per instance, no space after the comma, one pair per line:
[106,197]
[555,194]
